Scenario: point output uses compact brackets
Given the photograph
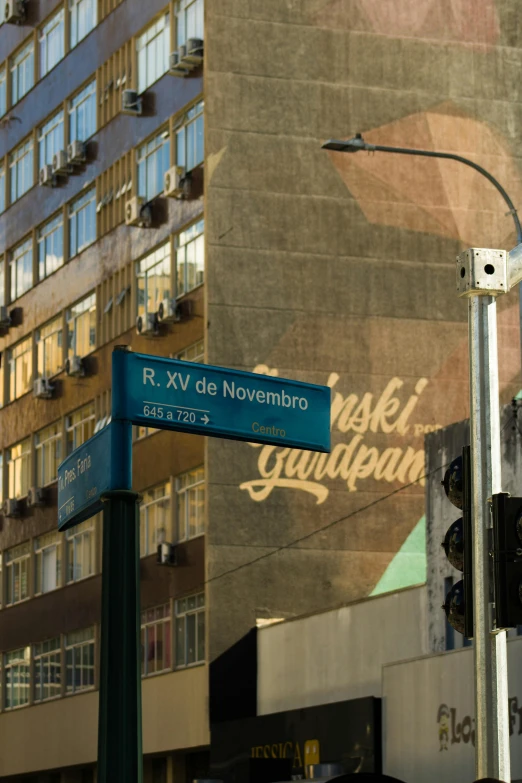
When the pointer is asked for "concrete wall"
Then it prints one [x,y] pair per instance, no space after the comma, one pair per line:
[64,733]
[429,717]
[339,654]
[339,269]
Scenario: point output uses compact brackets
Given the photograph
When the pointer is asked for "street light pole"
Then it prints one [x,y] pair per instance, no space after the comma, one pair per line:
[482,275]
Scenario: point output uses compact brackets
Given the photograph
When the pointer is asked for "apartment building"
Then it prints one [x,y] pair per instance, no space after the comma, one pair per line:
[162,185]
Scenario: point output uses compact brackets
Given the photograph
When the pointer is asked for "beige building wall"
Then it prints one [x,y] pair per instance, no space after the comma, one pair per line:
[38,738]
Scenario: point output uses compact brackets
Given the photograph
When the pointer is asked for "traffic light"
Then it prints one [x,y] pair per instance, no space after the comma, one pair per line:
[507,559]
[458,605]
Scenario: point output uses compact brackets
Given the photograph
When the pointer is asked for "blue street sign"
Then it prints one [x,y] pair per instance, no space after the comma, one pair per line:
[102,463]
[216,401]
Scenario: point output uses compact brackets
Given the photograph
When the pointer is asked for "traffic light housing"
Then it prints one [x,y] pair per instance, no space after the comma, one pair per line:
[457,545]
[507,559]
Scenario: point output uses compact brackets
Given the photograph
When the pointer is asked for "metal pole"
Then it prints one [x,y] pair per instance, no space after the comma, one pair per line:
[119,730]
[491,692]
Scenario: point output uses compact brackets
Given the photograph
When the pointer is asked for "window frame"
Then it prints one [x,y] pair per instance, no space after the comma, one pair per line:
[146,626]
[41,545]
[181,8]
[198,610]
[15,159]
[69,348]
[43,232]
[82,202]
[75,645]
[144,40]
[21,561]
[183,492]
[19,253]
[45,134]
[184,125]
[144,153]
[12,367]
[148,502]
[39,655]
[86,529]
[42,341]
[22,660]
[56,19]
[74,109]
[54,441]
[15,61]
[193,232]
[73,4]
[73,427]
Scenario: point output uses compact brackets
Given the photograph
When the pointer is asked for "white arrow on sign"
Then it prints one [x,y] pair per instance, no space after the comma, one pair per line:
[205,419]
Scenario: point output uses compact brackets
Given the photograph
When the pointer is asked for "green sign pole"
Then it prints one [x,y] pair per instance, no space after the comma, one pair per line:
[120,758]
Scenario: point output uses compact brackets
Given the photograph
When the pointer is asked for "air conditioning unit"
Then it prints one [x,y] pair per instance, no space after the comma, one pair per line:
[36,496]
[74,366]
[14,12]
[138,213]
[177,67]
[173,182]
[43,389]
[60,162]
[167,310]
[167,554]
[147,325]
[11,508]
[131,103]
[46,176]
[194,52]
[5,318]
[76,155]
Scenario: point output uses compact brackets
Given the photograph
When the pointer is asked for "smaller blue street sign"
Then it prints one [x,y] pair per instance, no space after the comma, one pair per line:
[100,464]
[219,402]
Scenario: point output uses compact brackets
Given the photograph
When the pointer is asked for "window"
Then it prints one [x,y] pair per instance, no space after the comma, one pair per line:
[153,49]
[20,360]
[3,90]
[189,20]
[79,426]
[153,162]
[83,19]
[19,468]
[190,258]
[16,678]
[79,660]
[82,113]
[21,268]
[189,139]
[154,279]
[194,353]
[82,222]
[48,445]
[50,139]
[52,40]
[22,72]
[16,564]
[190,504]
[155,640]
[49,348]
[47,562]
[80,551]
[154,518]
[190,630]
[50,246]
[47,667]
[21,170]
[2,187]
[81,327]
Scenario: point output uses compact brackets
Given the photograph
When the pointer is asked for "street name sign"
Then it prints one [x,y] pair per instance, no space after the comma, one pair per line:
[220,402]
[100,464]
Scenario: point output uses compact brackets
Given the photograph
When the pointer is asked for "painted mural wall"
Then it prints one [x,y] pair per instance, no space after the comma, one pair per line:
[340,269]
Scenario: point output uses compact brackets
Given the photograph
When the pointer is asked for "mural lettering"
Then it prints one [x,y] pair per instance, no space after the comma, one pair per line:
[353,460]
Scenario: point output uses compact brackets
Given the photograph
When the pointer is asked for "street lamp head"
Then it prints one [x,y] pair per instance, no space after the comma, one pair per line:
[351,145]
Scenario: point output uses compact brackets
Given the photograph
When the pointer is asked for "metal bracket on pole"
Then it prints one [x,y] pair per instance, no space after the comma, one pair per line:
[482,275]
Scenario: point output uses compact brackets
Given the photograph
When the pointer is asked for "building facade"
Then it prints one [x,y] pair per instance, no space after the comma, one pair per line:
[134,176]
